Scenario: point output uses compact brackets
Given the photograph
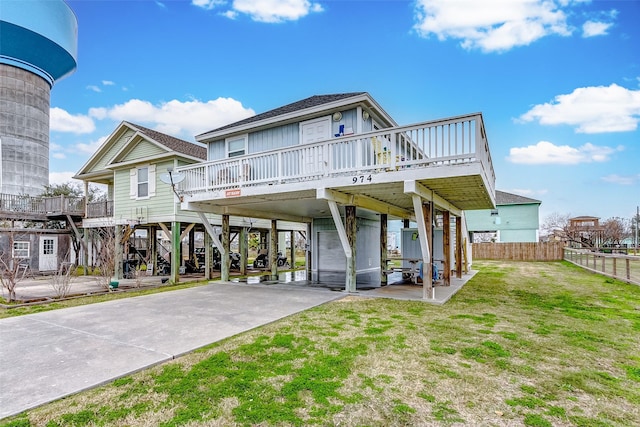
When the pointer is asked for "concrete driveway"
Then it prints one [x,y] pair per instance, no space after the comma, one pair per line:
[46,356]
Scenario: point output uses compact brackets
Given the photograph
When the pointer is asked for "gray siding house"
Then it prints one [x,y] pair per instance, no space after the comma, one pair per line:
[343,167]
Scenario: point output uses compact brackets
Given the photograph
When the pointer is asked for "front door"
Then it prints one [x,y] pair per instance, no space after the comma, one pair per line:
[48,254]
[315,130]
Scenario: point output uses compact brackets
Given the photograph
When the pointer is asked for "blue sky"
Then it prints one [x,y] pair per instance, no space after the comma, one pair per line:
[558,81]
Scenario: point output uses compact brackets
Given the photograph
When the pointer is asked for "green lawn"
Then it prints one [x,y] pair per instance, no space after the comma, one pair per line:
[534,344]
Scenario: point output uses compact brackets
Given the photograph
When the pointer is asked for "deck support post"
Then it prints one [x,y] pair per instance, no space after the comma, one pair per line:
[423,237]
[383,250]
[351,228]
[208,259]
[243,247]
[211,232]
[175,252]
[350,281]
[117,271]
[293,249]
[273,249]
[85,253]
[153,249]
[459,260]
[225,261]
[446,247]
[307,252]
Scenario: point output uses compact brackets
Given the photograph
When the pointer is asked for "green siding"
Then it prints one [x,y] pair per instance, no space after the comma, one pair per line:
[158,208]
[111,152]
[141,150]
[517,223]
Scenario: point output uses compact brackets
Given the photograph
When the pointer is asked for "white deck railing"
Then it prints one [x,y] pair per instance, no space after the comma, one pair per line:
[458,140]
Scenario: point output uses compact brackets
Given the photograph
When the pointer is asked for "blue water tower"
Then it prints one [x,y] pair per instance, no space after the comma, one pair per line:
[38,46]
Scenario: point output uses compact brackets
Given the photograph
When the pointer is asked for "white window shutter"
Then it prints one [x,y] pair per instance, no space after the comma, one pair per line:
[152,180]
[133,183]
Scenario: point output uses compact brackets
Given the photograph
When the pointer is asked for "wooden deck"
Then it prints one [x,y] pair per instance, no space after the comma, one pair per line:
[17,207]
[448,159]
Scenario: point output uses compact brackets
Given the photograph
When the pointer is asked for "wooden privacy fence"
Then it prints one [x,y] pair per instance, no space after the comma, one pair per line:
[621,267]
[538,251]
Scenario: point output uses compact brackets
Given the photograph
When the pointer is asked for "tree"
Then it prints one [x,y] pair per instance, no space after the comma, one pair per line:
[615,231]
[105,244]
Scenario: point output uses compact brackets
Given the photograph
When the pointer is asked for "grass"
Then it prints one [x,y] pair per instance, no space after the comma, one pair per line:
[533,344]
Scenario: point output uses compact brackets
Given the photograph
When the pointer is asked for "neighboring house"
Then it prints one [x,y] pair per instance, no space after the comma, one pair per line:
[342,166]
[515,219]
[133,162]
[585,231]
[36,231]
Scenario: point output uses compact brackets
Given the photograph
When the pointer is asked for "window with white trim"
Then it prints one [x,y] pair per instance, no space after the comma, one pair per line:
[237,146]
[21,249]
[143,182]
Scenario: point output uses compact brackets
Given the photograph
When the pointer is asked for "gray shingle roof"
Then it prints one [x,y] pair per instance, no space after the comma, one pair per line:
[504,198]
[172,143]
[312,101]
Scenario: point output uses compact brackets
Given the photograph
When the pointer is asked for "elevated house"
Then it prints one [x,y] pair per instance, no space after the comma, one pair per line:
[137,165]
[343,167]
[515,219]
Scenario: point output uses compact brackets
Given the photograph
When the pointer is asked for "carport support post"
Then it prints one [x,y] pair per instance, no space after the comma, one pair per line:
[446,247]
[273,249]
[307,252]
[383,249]
[293,249]
[226,244]
[175,252]
[85,251]
[118,252]
[421,221]
[153,249]
[207,256]
[244,250]
[350,226]
[459,260]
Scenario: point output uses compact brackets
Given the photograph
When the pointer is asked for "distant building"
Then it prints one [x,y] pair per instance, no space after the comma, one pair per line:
[585,231]
[38,46]
[515,219]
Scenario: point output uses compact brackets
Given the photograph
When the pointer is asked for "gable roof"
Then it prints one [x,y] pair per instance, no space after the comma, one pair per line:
[504,198]
[304,104]
[98,164]
[172,143]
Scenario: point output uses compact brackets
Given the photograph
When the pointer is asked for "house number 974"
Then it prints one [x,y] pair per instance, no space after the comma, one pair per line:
[360,179]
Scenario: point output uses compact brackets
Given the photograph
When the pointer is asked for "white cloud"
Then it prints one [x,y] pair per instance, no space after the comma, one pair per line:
[94,88]
[91,147]
[271,11]
[621,179]
[492,26]
[61,177]
[61,121]
[207,4]
[596,109]
[58,155]
[545,152]
[592,28]
[187,118]
[108,83]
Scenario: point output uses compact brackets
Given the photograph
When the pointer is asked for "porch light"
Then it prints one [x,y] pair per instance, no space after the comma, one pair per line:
[337,116]
[365,115]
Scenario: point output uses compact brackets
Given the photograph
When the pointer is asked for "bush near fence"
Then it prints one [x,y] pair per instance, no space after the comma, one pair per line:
[541,251]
